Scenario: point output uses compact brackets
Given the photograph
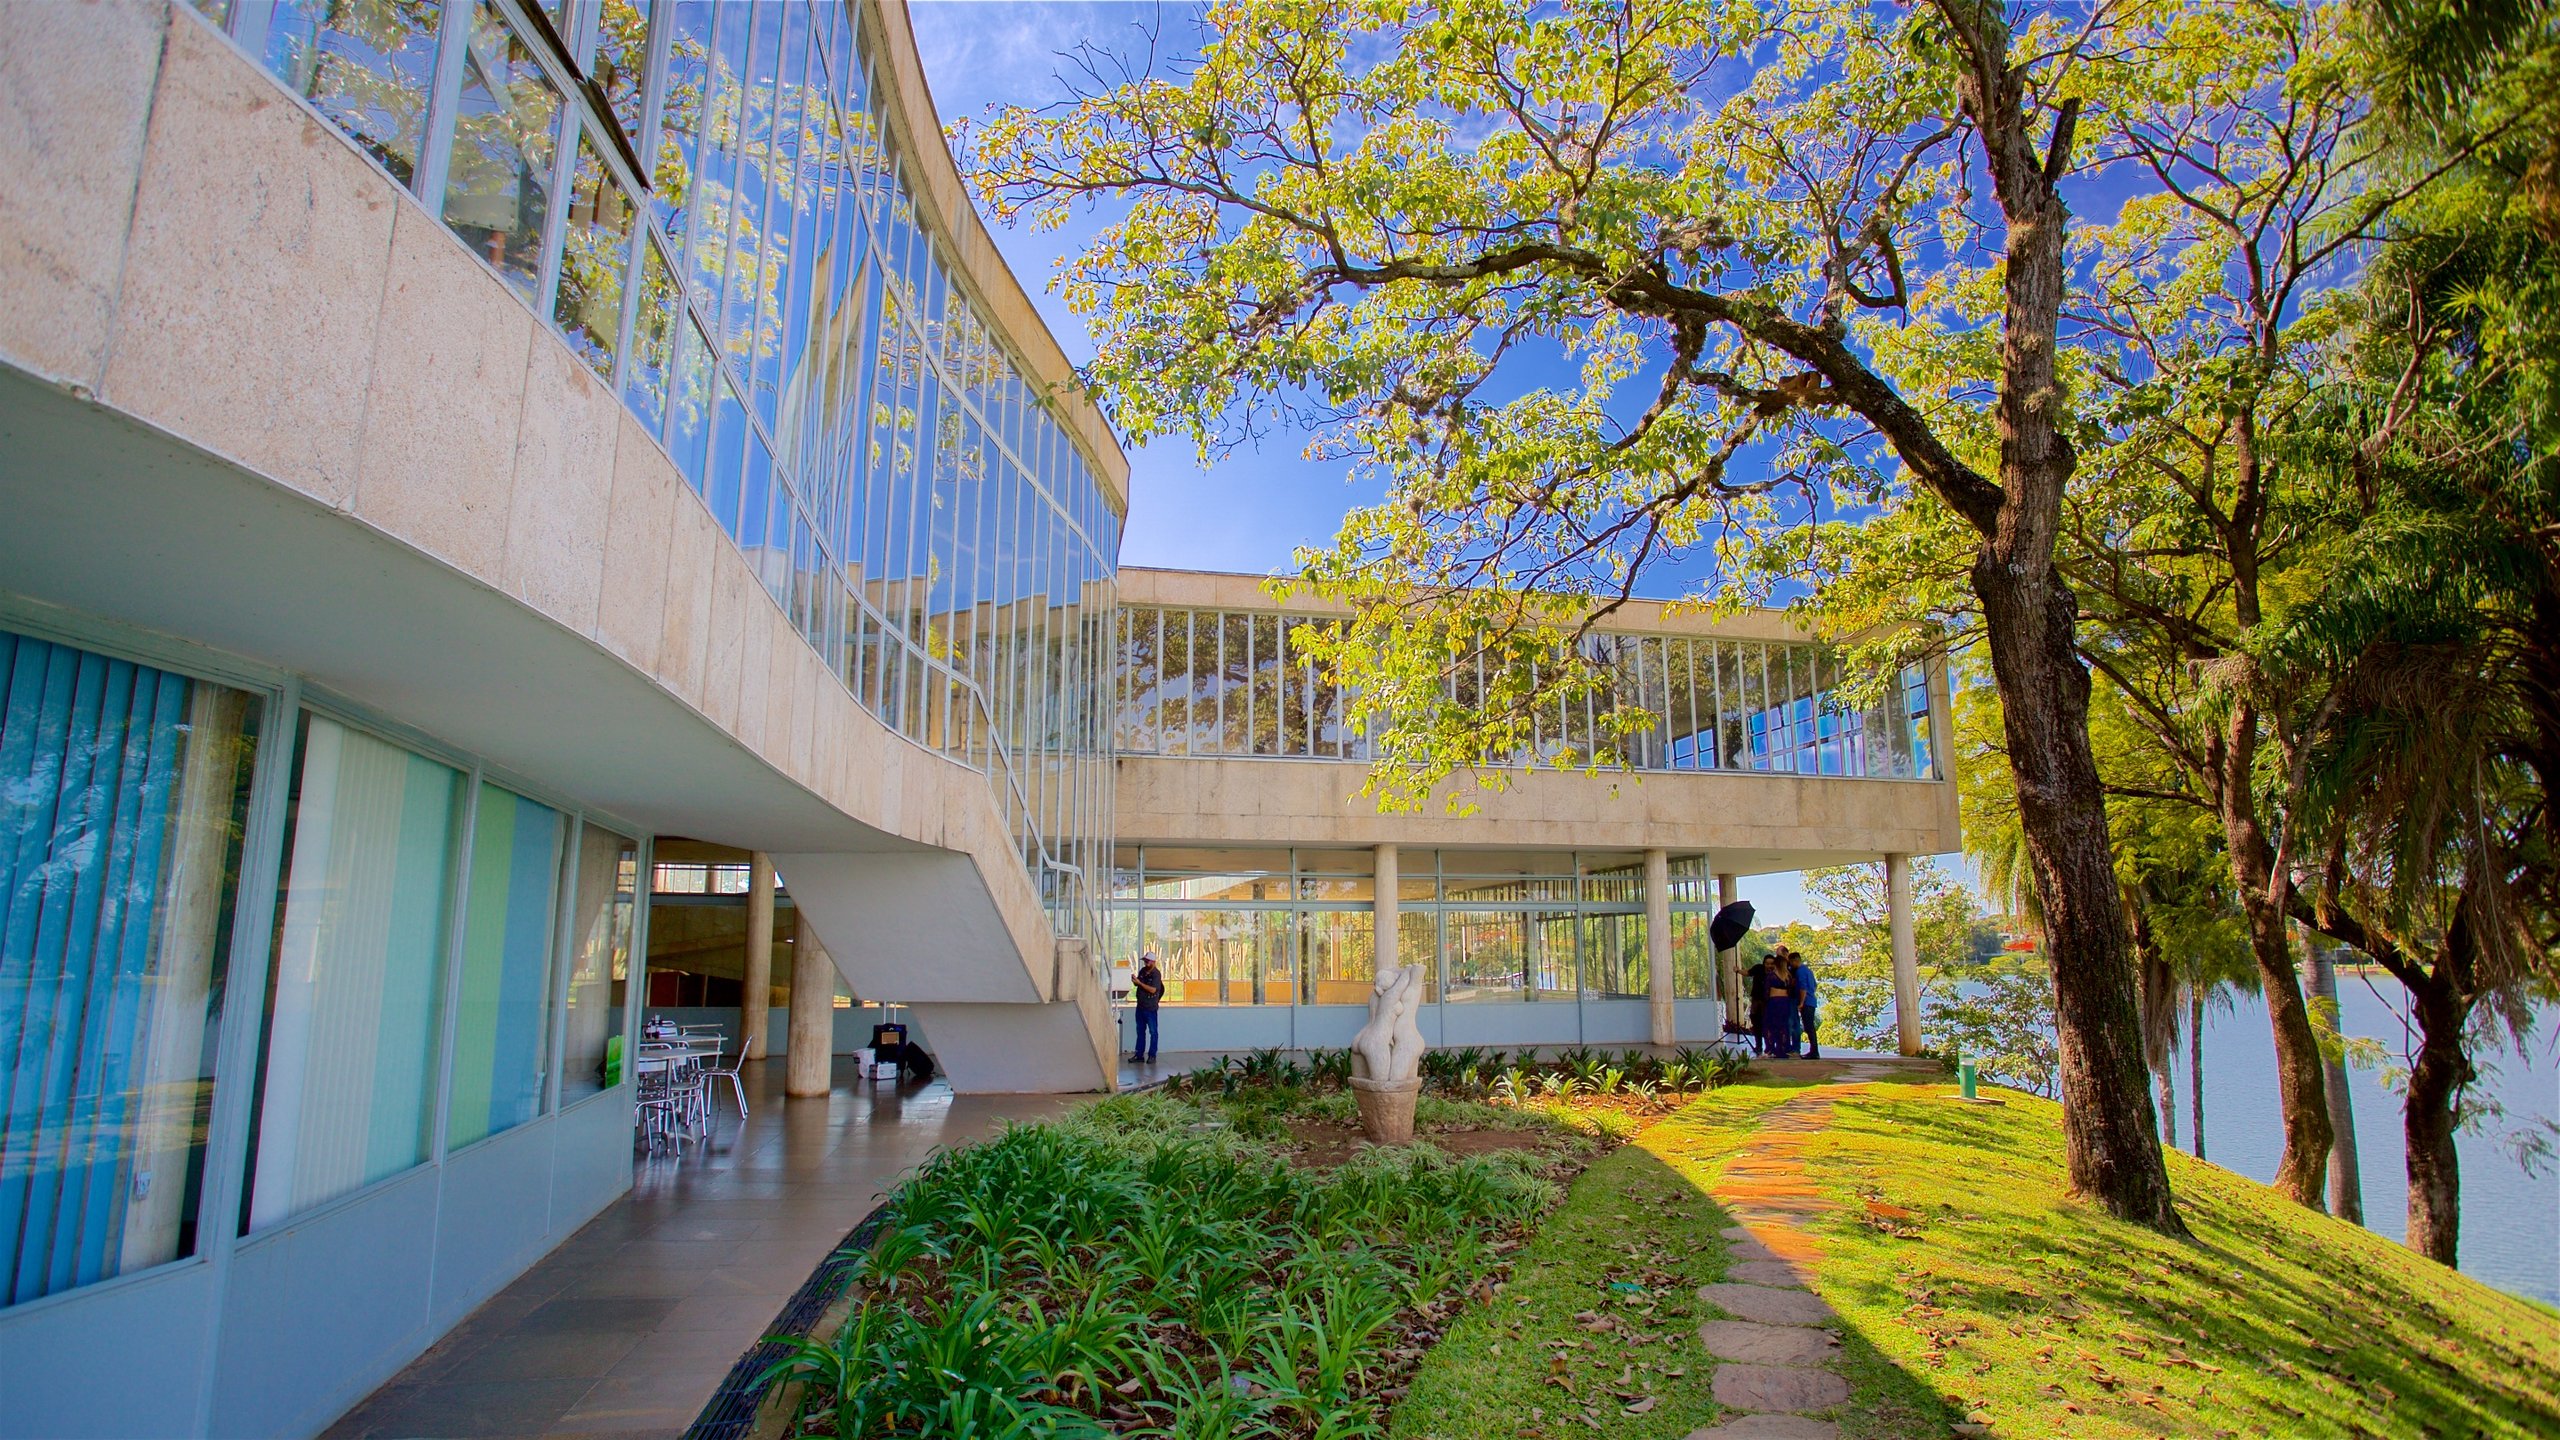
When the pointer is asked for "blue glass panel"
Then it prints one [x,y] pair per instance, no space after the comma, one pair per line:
[121,790]
[653,337]
[686,100]
[728,464]
[689,424]
[365,65]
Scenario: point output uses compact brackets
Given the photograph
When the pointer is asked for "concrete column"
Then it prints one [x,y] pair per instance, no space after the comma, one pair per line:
[1906,953]
[813,1016]
[1383,909]
[756,994]
[1737,1009]
[1657,945]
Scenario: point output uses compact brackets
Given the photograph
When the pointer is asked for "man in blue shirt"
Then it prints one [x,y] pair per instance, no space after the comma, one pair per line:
[1148,990]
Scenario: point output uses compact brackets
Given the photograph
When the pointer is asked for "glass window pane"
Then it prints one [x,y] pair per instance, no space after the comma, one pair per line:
[1693,958]
[712,197]
[622,53]
[1753,669]
[355,994]
[1175,707]
[502,1021]
[752,275]
[600,966]
[364,64]
[588,303]
[725,473]
[1293,694]
[681,108]
[122,800]
[689,427]
[497,192]
[1915,689]
[1487,955]
[1418,943]
[1733,729]
[1614,965]
[653,333]
[1342,956]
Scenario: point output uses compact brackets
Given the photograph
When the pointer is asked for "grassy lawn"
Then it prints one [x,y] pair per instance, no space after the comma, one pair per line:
[1998,1301]
[1564,1349]
[1233,1263]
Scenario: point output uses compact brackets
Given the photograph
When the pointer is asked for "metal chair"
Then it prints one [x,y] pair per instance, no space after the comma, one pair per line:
[725,1066]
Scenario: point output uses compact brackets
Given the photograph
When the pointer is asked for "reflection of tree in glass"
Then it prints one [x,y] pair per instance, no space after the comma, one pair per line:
[622,50]
[653,338]
[756,130]
[497,193]
[594,254]
[364,64]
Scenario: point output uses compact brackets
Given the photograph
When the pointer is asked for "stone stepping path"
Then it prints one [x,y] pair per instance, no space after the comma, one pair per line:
[1774,1358]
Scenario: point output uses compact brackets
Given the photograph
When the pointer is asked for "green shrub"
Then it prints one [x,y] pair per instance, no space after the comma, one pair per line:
[1149,1242]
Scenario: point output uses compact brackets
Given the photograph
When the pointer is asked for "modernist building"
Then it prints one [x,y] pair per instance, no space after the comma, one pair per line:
[446,445]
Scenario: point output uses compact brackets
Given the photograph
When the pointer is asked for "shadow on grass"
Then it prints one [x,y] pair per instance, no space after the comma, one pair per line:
[2057,1318]
[1601,1315]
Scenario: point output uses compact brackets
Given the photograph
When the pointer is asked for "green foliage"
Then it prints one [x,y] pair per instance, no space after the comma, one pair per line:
[1110,1272]
[1998,1014]
[1591,289]
[1258,1091]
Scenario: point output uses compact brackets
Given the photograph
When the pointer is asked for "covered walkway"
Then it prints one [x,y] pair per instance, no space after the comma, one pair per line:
[629,1328]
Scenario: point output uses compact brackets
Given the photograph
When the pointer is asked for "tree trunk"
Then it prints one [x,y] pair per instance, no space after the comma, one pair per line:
[2435,1081]
[2302,1091]
[2346,1174]
[2156,995]
[2195,1065]
[2111,1138]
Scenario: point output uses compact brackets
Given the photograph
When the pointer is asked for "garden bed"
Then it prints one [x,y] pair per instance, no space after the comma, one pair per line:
[1228,1259]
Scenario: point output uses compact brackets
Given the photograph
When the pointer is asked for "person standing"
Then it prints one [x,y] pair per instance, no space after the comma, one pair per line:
[1808,1014]
[1148,989]
[1760,1006]
[1778,1017]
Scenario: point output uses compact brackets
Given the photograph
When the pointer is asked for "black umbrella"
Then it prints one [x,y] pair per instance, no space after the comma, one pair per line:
[1730,925]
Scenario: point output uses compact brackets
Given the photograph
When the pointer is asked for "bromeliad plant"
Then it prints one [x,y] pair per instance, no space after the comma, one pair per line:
[1144,1268]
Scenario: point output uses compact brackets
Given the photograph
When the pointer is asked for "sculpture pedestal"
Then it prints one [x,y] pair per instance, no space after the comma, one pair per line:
[1386,1108]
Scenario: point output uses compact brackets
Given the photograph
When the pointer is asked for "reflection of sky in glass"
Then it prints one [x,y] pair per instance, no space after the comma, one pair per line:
[776,315]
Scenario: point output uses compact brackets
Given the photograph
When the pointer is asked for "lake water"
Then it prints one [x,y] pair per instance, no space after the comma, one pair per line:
[2510,1219]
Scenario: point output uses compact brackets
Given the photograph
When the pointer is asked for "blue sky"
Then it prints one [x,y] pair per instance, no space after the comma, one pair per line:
[1253,508]
[1250,510]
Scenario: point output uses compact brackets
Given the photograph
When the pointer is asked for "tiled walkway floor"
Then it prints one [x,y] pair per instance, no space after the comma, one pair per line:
[628,1328]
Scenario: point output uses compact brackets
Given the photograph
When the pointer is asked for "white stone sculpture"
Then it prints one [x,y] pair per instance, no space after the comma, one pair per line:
[1389,1047]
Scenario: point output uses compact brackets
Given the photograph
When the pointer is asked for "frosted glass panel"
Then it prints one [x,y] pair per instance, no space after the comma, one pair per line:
[502,1021]
[354,999]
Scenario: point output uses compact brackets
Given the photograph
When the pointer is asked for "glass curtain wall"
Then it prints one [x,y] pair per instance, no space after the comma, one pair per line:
[442,946]
[1230,927]
[1230,683]
[123,793]
[705,202]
